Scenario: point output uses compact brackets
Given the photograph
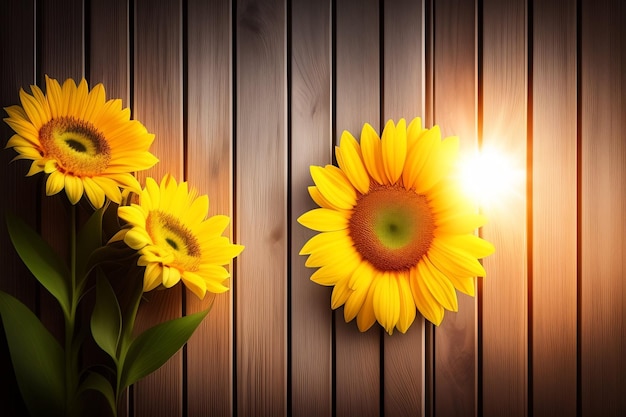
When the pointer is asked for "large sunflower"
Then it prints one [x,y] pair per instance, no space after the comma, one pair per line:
[175,240]
[396,232]
[85,143]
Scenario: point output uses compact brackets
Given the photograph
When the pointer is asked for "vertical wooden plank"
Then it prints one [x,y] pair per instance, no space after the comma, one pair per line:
[455,111]
[158,105]
[311,144]
[404,97]
[17,49]
[109,48]
[554,210]
[504,318]
[261,208]
[357,355]
[603,204]
[62,57]
[209,170]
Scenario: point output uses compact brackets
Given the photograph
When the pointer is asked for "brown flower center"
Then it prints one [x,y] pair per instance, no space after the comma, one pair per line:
[392,227]
[77,145]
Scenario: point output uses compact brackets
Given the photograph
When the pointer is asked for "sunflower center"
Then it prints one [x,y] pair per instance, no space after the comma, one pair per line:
[392,227]
[174,238]
[77,146]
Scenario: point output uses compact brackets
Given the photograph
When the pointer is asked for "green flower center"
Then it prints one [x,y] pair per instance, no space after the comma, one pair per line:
[392,227]
[76,145]
[175,239]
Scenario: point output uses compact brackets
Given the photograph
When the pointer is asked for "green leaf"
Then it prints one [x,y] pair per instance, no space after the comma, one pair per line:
[152,348]
[106,319]
[99,383]
[89,239]
[38,359]
[41,260]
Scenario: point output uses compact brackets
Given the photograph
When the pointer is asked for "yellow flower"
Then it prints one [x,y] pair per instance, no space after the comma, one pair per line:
[85,143]
[396,233]
[175,240]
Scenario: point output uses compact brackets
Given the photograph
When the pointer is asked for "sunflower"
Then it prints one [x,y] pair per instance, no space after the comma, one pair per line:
[396,232]
[175,240]
[85,143]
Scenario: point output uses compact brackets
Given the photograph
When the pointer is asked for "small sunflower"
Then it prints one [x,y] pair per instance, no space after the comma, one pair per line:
[396,232]
[84,142]
[175,240]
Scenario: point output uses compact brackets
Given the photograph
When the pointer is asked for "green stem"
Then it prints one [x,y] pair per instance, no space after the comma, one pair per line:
[71,371]
[127,333]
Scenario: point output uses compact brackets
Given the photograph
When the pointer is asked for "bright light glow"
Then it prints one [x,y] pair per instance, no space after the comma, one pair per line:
[489,176]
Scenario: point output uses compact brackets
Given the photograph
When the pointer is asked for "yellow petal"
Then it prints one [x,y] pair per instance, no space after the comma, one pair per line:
[324,220]
[35,168]
[331,274]
[458,224]
[394,149]
[94,193]
[194,283]
[371,148]
[197,211]
[360,284]
[213,226]
[438,165]
[439,286]
[333,184]
[418,155]
[424,300]
[464,284]
[331,247]
[413,132]
[366,317]
[68,92]
[350,160]
[152,276]
[33,109]
[54,95]
[454,262]
[171,276]
[321,240]
[319,198]
[152,190]
[110,188]
[93,104]
[55,183]
[340,294]
[221,254]
[407,304]
[387,301]
[132,214]
[137,238]
[470,244]
[73,188]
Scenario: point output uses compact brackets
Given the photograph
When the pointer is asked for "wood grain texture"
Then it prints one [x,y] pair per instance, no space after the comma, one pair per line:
[554,208]
[17,34]
[209,170]
[108,51]
[504,120]
[357,355]
[455,111]
[603,204]
[311,144]
[62,57]
[404,97]
[261,208]
[157,92]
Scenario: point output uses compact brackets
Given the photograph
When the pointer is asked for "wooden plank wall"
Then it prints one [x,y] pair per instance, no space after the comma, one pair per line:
[244,95]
